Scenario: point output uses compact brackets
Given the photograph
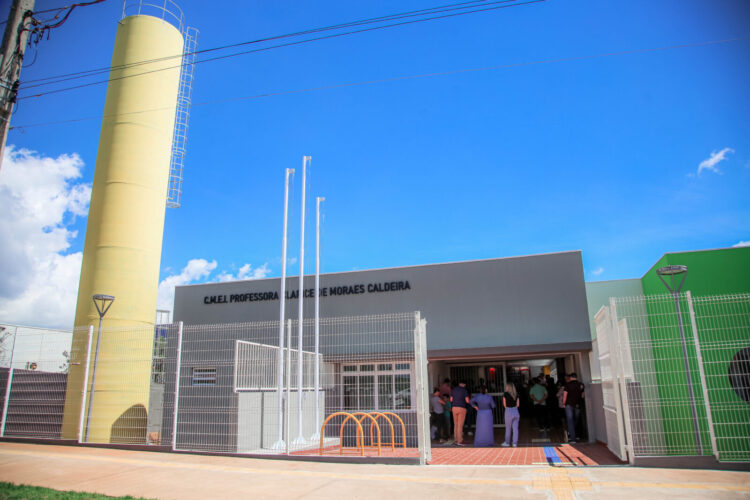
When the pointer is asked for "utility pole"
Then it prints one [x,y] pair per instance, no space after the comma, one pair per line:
[11,58]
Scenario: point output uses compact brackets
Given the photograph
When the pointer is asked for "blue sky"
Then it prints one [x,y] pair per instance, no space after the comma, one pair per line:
[599,154]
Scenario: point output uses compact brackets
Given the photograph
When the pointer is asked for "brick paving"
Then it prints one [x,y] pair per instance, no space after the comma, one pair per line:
[580,455]
[370,451]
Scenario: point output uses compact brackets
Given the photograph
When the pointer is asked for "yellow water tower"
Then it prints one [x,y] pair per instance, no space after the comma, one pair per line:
[125,225]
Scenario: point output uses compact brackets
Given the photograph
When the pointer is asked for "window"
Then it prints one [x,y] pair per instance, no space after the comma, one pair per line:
[377,387]
[204,376]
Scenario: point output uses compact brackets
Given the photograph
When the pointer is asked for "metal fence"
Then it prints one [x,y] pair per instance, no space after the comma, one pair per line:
[358,390]
[676,375]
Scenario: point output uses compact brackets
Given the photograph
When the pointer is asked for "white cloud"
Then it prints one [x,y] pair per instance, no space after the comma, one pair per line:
[40,199]
[712,161]
[598,271]
[196,269]
[246,272]
[741,244]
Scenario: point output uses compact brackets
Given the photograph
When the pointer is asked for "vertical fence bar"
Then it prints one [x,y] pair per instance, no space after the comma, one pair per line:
[8,384]
[623,384]
[177,386]
[288,377]
[688,375]
[425,394]
[704,384]
[84,389]
[419,375]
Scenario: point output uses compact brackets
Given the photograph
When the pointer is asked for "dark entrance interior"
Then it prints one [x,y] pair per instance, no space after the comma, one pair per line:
[537,427]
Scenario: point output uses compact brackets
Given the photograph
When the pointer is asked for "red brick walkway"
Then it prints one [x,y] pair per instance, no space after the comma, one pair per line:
[581,455]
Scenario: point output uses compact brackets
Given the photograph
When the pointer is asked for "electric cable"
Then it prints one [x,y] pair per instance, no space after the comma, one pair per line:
[86,73]
[395,79]
[288,44]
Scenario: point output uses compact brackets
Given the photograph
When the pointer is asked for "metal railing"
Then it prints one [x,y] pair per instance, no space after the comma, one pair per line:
[668,393]
[215,388]
[166,10]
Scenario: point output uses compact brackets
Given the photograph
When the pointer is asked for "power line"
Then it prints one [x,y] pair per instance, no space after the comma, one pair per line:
[438,9]
[441,8]
[58,9]
[399,78]
[299,42]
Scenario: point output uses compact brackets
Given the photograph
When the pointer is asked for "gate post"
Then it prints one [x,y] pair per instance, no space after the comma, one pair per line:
[629,446]
[84,390]
[8,385]
[177,386]
[420,376]
[702,374]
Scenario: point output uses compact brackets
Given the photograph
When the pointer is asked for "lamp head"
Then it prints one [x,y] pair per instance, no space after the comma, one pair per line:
[671,270]
[103,303]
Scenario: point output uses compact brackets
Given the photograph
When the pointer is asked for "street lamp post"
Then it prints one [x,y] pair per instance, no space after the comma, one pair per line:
[672,272]
[102,303]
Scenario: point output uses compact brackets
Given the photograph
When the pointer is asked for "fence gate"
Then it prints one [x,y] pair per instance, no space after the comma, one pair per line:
[682,367]
[611,381]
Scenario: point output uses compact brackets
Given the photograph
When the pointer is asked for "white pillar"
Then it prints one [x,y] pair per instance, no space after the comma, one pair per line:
[85,385]
[279,444]
[177,386]
[288,377]
[8,384]
[300,440]
[316,434]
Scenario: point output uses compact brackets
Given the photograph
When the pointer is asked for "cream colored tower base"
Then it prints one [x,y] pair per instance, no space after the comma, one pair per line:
[124,232]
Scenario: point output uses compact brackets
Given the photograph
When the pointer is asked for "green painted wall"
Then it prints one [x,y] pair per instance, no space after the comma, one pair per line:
[722,331]
[710,272]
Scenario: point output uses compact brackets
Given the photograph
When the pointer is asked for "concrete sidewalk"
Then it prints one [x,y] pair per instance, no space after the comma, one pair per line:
[181,476]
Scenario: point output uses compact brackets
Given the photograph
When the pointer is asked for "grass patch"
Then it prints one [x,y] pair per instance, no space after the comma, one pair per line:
[10,491]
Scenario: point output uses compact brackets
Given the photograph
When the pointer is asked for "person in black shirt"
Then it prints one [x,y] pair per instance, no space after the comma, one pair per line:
[572,399]
[511,402]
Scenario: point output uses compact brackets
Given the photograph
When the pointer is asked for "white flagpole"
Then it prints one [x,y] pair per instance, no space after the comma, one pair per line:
[316,435]
[300,438]
[280,445]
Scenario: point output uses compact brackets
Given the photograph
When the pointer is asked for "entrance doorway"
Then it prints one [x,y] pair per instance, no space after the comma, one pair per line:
[490,375]
[538,427]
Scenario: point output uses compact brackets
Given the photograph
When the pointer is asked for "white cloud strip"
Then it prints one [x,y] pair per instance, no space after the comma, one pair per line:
[598,271]
[246,272]
[40,199]
[741,244]
[712,161]
[198,271]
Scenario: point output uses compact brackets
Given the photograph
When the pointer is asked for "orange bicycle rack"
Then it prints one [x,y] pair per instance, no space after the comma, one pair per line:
[360,433]
[403,427]
[393,435]
[360,440]
[374,422]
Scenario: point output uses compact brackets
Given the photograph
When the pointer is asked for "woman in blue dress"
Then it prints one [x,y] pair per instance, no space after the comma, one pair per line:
[484,403]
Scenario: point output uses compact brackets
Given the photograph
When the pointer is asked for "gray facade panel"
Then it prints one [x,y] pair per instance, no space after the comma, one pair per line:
[538,299]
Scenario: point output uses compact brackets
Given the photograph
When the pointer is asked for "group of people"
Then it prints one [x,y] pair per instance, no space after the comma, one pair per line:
[449,407]
[450,403]
[564,405]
